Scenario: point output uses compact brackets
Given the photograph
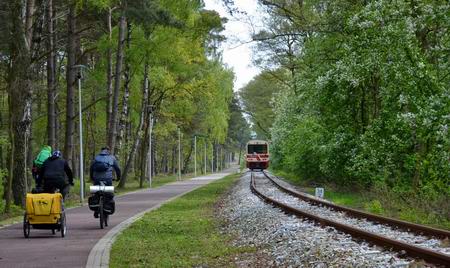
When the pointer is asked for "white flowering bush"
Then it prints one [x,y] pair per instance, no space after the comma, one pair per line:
[373,98]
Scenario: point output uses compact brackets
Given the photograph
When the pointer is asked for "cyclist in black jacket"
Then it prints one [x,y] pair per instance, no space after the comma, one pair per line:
[52,175]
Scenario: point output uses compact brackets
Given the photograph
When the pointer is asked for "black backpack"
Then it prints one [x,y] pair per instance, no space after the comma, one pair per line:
[99,166]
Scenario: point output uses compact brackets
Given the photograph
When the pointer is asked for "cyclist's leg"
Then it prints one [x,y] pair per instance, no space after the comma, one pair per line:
[63,189]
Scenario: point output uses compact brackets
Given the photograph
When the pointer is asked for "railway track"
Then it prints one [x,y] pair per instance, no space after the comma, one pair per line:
[429,255]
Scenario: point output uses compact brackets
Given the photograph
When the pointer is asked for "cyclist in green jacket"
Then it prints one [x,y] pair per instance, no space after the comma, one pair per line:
[43,155]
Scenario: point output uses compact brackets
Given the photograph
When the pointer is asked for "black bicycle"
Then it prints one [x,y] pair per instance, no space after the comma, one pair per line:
[102,202]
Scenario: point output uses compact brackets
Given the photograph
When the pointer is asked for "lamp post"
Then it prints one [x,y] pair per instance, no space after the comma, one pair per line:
[195,155]
[150,116]
[205,155]
[179,154]
[80,76]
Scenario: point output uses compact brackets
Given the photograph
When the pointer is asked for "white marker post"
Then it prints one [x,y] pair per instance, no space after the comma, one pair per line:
[320,192]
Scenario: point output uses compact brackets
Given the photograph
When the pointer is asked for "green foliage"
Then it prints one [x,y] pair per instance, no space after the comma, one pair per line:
[175,41]
[371,101]
[257,97]
[238,130]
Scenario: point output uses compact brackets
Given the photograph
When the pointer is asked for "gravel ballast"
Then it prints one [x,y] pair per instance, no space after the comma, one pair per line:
[363,224]
[288,241]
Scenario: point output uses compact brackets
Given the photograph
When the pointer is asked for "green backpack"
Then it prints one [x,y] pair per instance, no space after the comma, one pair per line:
[43,155]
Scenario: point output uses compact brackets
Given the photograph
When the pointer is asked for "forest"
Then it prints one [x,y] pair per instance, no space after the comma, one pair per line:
[359,93]
[352,93]
[133,69]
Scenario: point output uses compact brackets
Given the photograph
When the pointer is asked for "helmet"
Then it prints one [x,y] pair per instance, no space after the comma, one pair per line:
[56,154]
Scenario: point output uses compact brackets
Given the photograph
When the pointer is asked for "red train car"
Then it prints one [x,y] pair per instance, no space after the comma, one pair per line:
[257,156]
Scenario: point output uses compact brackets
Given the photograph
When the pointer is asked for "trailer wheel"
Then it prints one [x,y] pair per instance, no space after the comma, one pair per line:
[26,226]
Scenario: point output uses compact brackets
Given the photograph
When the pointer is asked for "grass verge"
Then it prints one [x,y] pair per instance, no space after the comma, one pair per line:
[182,233]
[379,201]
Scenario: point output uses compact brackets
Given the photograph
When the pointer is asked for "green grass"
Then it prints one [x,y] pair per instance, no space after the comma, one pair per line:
[344,197]
[182,233]
[73,198]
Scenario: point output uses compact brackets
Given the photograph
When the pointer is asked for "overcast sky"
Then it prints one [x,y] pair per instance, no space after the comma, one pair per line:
[237,55]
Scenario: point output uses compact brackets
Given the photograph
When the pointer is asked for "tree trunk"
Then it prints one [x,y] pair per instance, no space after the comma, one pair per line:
[164,161]
[375,95]
[91,129]
[109,72]
[119,61]
[125,101]
[7,190]
[143,155]
[75,166]
[144,109]
[51,77]
[363,110]
[70,78]
[124,115]
[20,97]
[187,160]
[240,154]
[153,152]
[174,157]
[29,23]
[214,157]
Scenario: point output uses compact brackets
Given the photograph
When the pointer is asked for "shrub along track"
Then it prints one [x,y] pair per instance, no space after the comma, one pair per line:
[428,255]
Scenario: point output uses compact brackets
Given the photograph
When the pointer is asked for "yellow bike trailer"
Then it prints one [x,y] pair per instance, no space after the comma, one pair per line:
[44,211]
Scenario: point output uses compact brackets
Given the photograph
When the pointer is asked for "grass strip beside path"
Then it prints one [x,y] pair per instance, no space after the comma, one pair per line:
[182,233]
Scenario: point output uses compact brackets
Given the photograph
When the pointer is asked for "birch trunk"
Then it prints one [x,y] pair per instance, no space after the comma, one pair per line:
[139,131]
[124,115]
[119,61]
[125,102]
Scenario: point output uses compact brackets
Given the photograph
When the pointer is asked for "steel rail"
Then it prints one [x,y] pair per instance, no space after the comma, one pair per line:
[416,228]
[413,251]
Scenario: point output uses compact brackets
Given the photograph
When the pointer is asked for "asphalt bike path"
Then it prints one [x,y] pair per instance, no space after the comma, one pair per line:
[86,245]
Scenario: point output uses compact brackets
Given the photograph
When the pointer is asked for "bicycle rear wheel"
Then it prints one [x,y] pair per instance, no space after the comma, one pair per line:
[63,224]
[101,212]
